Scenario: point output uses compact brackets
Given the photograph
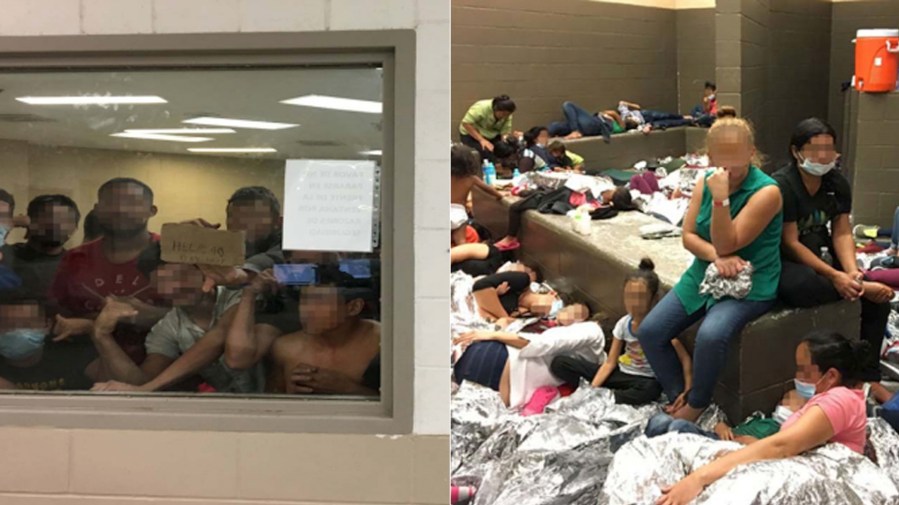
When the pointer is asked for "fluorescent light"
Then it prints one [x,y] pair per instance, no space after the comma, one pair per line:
[232,150]
[375,152]
[179,131]
[239,123]
[155,136]
[90,100]
[336,103]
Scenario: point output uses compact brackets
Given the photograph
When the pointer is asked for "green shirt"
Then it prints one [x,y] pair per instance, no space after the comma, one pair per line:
[616,128]
[575,158]
[481,116]
[763,253]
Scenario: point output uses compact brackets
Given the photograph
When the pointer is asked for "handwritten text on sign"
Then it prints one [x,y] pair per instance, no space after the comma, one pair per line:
[187,243]
[328,205]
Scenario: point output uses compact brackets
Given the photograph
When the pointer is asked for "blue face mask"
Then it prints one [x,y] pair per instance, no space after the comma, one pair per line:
[805,389]
[556,307]
[4,231]
[21,343]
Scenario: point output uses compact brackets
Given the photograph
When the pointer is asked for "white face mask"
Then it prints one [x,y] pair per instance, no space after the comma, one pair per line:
[817,169]
[711,97]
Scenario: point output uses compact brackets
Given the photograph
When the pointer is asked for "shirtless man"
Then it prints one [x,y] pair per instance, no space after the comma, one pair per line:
[335,352]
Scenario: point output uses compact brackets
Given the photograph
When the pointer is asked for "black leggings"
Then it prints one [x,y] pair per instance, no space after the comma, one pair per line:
[802,287]
[628,389]
[486,266]
[474,144]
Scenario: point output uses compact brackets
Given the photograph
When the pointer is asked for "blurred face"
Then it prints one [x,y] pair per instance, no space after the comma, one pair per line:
[558,153]
[25,316]
[23,330]
[732,150]
[637,298]
[501,114]
[53,225]
[254,218]
[708,92]
[810,373]
[180,284]
[543,138]
[322,309]
[123,210]
[820,149]
[577,313]
[540,305]
[5,215]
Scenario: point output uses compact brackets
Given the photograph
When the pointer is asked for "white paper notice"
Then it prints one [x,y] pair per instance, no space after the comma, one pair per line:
[328,205]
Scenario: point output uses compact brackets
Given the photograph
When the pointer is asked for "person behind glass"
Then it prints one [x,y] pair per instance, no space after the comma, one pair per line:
[8,277]
[829,369]
[51,222]
[256,211]
[734,219]
[30,360]
[337,351]
[91,273]
[189,341]
[817,204]
[486,123]
[91,228]
[626,371]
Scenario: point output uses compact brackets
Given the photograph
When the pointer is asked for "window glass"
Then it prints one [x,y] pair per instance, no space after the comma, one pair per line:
[142,224]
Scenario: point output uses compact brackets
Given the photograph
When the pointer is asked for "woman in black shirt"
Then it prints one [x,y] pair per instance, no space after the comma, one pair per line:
[820,264]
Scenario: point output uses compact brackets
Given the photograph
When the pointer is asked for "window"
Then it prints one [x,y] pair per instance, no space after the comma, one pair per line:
[207,233]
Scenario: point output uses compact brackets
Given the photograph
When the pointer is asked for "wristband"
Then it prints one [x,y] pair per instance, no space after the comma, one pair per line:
[722,203]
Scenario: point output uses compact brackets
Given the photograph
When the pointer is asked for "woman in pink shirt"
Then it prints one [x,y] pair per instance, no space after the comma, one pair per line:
[828,367]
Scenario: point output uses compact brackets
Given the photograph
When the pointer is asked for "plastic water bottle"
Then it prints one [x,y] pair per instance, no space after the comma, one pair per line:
[826,257]
[489,173]
[516,176]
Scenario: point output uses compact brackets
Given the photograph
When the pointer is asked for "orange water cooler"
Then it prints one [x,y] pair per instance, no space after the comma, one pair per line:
[876,61]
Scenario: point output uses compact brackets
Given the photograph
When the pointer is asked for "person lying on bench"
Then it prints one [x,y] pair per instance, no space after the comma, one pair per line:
[734,218]
[465,170]
[579,122]
[561,159]
[647,120]
[626,371]
[517,365]
[830,367]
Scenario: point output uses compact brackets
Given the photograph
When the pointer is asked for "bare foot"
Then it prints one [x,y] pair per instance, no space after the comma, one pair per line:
[647,129]
[877,292]
[688,413]
[574,136]
[880,393]
[688,118]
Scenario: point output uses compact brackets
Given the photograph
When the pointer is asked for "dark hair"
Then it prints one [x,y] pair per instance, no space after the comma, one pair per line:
[726,111]
[257,194]
[5,196]
[92,229]
[43,201]
[503,149]
[806,130]
[645,273]
[464,161]
[530,136]
[711,85]
[348,287]
[535,267]
[150,259]
[504,104]
[121,181]
[622,199]
[830,349]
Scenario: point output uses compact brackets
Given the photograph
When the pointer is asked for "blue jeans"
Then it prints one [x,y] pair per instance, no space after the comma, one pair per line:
[662,423]
[661,120]
[668,319]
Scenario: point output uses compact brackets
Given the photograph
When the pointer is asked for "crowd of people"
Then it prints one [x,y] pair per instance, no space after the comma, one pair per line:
[112,315]
[773,239]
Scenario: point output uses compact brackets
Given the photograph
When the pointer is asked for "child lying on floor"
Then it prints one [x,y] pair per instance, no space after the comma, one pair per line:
[626,371]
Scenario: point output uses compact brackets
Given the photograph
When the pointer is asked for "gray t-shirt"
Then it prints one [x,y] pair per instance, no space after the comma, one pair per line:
[626,113]
[176,332]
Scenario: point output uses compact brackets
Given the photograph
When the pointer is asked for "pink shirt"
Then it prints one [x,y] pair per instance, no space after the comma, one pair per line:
[845,409]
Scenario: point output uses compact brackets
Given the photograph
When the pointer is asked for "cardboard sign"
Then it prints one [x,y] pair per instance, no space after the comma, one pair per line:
[196,245]
[329,205]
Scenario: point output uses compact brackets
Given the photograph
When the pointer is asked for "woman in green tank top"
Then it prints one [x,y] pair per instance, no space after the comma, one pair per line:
[734,219]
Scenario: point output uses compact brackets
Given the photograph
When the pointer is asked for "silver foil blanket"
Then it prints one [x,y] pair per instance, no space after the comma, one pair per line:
[559,457]
[884,442]
[719,287]
[832,474]
[464,315]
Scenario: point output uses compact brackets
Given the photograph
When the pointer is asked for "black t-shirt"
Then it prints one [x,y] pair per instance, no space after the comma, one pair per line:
[35,268]
[280,311]
[61,368]
[519,282]
[812,214]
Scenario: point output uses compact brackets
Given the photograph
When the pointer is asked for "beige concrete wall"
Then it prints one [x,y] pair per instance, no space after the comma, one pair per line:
[44,466]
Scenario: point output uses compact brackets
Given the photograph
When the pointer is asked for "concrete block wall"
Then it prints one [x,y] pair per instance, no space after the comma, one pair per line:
[695,55]
[874,157]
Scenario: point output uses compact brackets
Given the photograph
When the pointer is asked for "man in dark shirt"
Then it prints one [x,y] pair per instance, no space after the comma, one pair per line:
[29,360]
[820,263]
[52,220]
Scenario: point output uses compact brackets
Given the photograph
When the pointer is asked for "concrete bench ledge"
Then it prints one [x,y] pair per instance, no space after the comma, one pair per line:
[626,149]
[761,363]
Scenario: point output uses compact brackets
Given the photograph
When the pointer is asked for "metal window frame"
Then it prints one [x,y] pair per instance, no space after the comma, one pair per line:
[392,413]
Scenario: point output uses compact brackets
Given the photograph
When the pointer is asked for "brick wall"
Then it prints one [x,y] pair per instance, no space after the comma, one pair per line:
[695,55]
[874,157]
